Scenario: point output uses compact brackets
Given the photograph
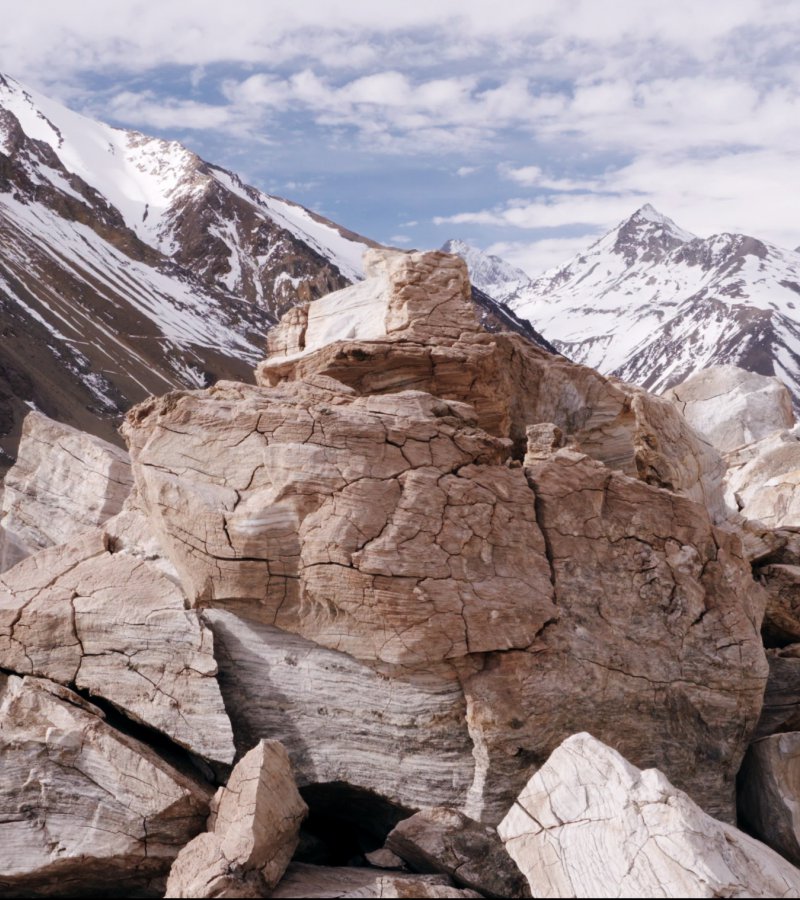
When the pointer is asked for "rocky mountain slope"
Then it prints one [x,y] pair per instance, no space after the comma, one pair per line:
[652,303]
[350,631]
[130,266]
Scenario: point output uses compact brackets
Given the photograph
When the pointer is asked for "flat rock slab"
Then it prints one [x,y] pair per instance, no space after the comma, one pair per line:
[83,807]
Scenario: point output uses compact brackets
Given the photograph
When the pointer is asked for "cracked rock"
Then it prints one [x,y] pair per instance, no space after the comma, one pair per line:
[63,483]
[253,831]
[111,621]
[321,881]
[83,807]
[589,824]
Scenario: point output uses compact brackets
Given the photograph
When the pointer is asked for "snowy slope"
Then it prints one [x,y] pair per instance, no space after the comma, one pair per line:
[652,303]
[130,266]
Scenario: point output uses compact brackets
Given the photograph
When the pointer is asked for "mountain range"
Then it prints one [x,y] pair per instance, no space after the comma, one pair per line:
[652,303]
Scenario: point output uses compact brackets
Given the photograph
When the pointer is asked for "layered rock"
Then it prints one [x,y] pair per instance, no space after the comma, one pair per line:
[253,831]
[97,614]
[769,799]
[781,709]
[83,807]
[64,483]
[589,824]
[442,840]
[732,407]
[409,326]
[404,737]
[782,617]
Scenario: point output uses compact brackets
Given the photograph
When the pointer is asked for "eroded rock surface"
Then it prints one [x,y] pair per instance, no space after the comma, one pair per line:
[445,841]
[732,407]
[404,737]
[253,831]
[512,384]
[769,799]
[656,632]
[589,824]
[108,619]
[64,482]
[84,808]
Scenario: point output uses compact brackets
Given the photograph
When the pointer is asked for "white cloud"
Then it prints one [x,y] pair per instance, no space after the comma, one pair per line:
[535,257]
[464,171]
[400,239]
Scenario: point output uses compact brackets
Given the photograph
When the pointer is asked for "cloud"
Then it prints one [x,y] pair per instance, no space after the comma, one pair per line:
[464,171]
[535,257]
[399,239]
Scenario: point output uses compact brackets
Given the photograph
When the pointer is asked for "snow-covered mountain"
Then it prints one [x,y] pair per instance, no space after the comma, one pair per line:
[129,266]
[652,303]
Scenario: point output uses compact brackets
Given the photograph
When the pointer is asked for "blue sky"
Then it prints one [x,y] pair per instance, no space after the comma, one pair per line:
[526,128]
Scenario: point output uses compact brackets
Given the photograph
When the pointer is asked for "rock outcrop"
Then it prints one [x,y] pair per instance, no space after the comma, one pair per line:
[83,807]
[732,407]
[63,483]
[253,831]
[420,556]
[589,824]
[410,326]
[769,799]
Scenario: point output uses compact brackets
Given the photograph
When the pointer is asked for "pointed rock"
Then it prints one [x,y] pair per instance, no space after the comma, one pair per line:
[253,831]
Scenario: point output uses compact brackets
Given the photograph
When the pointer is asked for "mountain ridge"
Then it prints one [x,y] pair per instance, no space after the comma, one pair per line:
[651,303]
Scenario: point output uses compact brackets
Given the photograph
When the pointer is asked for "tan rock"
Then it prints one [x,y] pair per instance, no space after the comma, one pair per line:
[511,383]
[64,483]
[83,807]
[732,407]
[253,831]
[769,793]
[380,526]
[445,841]
[655,646]
[320,881]
[102,616]
[589,824]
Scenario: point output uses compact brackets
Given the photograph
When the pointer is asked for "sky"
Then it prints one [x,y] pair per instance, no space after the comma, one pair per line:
[525,128]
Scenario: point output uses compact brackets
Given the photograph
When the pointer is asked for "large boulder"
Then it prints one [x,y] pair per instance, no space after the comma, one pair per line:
[405,738]
[253,831]
[312,882]
[655,645]
[732,407]
[64,483]
[589,824]
[85,809]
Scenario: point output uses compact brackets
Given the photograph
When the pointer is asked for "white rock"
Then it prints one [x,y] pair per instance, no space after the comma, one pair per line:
[64,482]
[321,881]
[82,806]
[732,407]
[589,824]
